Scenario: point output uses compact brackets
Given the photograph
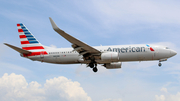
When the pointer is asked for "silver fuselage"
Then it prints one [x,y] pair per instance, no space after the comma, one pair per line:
[126,53]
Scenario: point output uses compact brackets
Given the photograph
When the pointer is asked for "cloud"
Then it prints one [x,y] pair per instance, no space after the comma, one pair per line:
[174,97]
[160,98]
[53,46]
[66,89]
[15,87]
[164,90]
[167,96]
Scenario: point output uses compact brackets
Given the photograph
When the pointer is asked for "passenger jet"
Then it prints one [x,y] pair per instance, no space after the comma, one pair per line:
[111,57]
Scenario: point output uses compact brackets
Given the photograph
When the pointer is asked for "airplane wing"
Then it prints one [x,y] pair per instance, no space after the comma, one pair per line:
[78,45]
[18,49]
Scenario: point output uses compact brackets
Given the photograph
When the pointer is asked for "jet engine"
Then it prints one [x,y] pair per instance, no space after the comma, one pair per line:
[113,65]
[110,56]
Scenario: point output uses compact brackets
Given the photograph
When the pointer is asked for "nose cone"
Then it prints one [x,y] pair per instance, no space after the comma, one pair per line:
[173,52]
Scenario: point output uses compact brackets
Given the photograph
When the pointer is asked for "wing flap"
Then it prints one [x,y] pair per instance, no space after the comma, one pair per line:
[77,44]
[18,49]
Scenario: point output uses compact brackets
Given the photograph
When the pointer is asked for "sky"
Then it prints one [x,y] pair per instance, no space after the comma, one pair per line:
[95,22]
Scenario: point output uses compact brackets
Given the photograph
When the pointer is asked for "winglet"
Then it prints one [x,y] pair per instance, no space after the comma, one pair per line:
[18,49]
[53,23]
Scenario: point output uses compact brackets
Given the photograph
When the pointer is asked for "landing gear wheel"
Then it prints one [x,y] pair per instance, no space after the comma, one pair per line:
[95,69]
[159,64]
[91,65]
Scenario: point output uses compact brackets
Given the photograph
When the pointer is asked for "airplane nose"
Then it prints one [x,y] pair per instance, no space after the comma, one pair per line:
[173,52]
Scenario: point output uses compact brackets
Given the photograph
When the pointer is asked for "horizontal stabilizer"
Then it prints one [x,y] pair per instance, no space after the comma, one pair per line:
[18,49]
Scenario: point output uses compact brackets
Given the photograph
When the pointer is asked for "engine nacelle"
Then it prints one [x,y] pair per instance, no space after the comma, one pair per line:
[114,65]
[110,56]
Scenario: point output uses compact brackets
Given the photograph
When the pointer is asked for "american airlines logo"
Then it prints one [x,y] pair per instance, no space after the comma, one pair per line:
[150,48]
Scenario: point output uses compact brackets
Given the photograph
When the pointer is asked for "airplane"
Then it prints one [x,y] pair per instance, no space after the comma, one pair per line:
[111,57]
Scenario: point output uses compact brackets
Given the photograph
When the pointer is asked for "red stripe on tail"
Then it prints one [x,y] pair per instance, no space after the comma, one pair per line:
[18,25]
[22,36]
[20,30]
[25,42]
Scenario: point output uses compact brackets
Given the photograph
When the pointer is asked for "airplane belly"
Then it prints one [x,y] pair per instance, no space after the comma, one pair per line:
[136,56]
[67,59]
[128,57]
[59,59]
[146,56]
[49,59]
[141,56]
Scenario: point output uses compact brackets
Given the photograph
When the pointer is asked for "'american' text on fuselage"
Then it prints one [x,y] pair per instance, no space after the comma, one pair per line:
[127,49]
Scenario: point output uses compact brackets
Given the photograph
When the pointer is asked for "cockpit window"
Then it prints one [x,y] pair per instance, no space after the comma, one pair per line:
[167,47]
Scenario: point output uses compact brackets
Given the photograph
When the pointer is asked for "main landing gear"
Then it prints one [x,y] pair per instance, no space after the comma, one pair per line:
[93,66]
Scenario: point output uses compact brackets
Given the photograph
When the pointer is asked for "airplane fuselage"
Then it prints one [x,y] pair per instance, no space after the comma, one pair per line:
[140,52]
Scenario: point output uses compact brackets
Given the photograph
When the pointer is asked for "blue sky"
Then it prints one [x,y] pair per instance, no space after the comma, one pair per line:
[101,22]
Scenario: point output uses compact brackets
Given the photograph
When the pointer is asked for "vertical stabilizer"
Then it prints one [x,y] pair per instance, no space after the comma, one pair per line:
[28,41]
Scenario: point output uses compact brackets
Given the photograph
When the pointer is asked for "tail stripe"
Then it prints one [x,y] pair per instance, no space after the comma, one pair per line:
[28,35]
[25,42]
[23,39]
[22,36]
[31,38]
[20,30]
[19,27]
[33,41]
[21,33]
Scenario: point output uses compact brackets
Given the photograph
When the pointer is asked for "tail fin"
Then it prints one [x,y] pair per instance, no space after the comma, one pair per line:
[28,41]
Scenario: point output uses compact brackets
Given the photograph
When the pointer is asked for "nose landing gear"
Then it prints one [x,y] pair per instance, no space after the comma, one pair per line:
[159,64]
[161,60]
